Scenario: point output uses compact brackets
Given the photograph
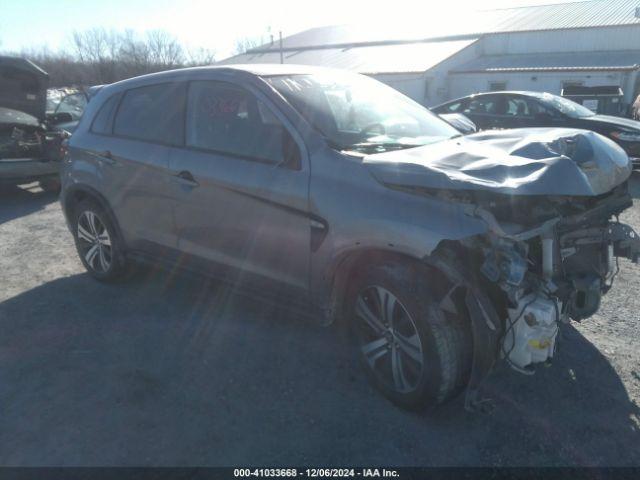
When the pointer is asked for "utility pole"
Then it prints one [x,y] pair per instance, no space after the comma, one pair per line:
[281,52]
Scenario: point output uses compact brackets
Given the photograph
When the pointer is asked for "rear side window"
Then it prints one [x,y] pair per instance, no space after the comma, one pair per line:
[453,107]
[154,114]
[224,118]
[103,121]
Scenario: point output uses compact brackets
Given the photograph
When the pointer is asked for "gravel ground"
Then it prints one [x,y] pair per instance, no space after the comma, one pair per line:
[169,369]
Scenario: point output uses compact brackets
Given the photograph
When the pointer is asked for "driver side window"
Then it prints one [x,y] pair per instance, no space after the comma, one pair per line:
[538,108]
[225,118]
[453,107]
[485,105]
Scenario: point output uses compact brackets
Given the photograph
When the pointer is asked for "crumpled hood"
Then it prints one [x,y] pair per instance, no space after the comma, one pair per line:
[9,116]
[534,161]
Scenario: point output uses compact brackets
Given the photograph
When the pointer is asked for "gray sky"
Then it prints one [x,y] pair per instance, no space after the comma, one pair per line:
[212,24]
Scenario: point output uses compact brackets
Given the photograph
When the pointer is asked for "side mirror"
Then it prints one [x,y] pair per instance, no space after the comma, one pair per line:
[62,117]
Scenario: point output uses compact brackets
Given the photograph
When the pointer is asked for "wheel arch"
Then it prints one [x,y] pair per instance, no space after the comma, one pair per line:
[447,261]
[78,193]
[345,267]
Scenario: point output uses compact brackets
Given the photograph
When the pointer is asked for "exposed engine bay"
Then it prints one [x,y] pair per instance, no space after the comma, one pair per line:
[29,142]
[553,268]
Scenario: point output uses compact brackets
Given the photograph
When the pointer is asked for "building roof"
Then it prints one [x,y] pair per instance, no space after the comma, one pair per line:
[541,62]
[582,14]
[592,13]
[368,48]
[405,58]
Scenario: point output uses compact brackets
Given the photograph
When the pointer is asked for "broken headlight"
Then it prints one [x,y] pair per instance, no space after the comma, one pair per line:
[505,263]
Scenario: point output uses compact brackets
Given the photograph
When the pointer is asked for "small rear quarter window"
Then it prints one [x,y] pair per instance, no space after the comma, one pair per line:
[153,113]
[103,121]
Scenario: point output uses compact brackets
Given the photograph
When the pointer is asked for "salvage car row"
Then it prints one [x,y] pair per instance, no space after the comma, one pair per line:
[442,253]
[34,122]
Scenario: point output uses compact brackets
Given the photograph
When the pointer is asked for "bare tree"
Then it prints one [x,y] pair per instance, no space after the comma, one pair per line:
[98,56]
[164,49]
[99,49]
[244,44]
[63,68]
[200,56]
[95,45]
[133,56]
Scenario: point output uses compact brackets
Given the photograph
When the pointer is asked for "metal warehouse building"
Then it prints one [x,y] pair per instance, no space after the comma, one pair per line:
[549,48]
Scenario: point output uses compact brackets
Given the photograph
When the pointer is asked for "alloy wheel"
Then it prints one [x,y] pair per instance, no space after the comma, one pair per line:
[388,339]
[95,242]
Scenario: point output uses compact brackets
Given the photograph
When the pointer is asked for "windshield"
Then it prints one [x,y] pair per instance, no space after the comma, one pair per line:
[566,106]
[356,112]
[54,97]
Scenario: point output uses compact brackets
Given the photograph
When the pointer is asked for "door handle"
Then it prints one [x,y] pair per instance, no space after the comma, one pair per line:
[186,177]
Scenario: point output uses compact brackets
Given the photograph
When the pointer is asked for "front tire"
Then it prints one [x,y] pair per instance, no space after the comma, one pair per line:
[97,243]
[412,352]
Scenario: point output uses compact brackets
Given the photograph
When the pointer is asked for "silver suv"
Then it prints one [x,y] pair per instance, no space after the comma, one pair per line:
[443,253]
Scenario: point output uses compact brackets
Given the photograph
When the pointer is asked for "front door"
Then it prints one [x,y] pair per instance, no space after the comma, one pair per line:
[241,187]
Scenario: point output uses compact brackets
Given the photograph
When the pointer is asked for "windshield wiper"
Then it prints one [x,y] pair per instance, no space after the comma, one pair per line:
[380,146]
[335,145]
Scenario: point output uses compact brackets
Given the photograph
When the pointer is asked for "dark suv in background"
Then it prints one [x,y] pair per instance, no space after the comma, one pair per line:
[533,109]
[442,253]
[30,140]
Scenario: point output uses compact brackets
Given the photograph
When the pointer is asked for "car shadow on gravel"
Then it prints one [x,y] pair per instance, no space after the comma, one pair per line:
[168,369]
[18,201]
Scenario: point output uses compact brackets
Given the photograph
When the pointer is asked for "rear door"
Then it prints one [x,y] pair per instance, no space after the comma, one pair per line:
[134,156]
[241,186]
[520,112]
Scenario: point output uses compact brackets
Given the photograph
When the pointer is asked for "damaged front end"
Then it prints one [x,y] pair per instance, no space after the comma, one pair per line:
[548,260]
[543,261]
[29,148]
[550,201]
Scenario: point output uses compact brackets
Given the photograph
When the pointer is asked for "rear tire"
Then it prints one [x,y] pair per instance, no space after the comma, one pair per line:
[97,242]
[412,351]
